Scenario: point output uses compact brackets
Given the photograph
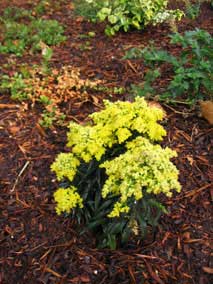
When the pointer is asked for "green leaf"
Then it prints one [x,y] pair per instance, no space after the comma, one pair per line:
[112,19]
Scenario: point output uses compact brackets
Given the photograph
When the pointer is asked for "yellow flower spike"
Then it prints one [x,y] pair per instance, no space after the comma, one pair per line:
[65,165]
[118,209]
[123,134]
[67,199]
[142,166]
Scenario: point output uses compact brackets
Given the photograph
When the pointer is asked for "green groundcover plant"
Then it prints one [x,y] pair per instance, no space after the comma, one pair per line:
[21,31]
[126,14]
[114,171]
[192,69]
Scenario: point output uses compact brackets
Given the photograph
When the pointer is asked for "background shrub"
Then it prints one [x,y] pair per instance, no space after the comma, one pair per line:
[192,68]
[126,14]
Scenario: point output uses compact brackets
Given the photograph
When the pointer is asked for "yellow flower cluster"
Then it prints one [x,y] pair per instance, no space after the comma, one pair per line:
[65,166]
[142,166]
[114,125]
[118,209]
[67,199]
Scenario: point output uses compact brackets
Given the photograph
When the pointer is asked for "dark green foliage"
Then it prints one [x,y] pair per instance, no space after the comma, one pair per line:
[192,69]
[93,216]
[86,10]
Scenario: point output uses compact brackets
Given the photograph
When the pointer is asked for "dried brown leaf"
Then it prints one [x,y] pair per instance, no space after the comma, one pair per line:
[207,110]
[208,270]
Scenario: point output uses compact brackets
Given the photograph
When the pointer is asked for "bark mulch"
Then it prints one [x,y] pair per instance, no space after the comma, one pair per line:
[36,245]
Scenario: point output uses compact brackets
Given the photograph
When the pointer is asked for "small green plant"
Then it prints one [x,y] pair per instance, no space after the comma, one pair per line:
[88,35]
[48,31]
[110,90]
[85,46]
[192,69]
[15,14]
[114,171]
[41,7]
[51,116]
[45,100]
[48,118]
[16,85]
[18,36]
[126,14]
[192,9]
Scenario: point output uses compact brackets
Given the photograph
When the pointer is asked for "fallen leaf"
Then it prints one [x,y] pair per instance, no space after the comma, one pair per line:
[9,106]
[14,129]
[208,270]
[82,278]
[207,110]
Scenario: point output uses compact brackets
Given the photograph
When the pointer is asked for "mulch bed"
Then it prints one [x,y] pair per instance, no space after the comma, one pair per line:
[37,246]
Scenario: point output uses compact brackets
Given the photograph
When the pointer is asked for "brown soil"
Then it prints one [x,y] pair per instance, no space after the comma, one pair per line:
[37,246]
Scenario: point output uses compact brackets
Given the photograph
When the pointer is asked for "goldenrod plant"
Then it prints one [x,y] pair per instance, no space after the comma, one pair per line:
[114,171]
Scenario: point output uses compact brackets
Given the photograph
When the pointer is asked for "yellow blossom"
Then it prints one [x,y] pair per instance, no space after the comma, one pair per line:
[67,199]
[65,165]
[118,209]
[144,166]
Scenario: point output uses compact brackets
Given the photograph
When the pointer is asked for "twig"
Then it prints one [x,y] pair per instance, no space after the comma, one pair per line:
[132,67]
[147,256]
[47,269]
[193,192]
[9,106]
[175,111]
[21,172]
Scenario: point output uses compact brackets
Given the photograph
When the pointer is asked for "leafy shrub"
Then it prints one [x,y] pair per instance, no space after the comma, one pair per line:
[18,36]
[192,69]
[124,14]
[114,170]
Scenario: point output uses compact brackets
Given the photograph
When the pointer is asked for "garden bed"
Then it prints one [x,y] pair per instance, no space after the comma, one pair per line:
[36,245]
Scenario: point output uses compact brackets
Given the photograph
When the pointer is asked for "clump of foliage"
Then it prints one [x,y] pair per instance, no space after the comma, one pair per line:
[192,9]
[192,68]
[42,7]
[126,14]
[50,88]
[115,170]
[21,31]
